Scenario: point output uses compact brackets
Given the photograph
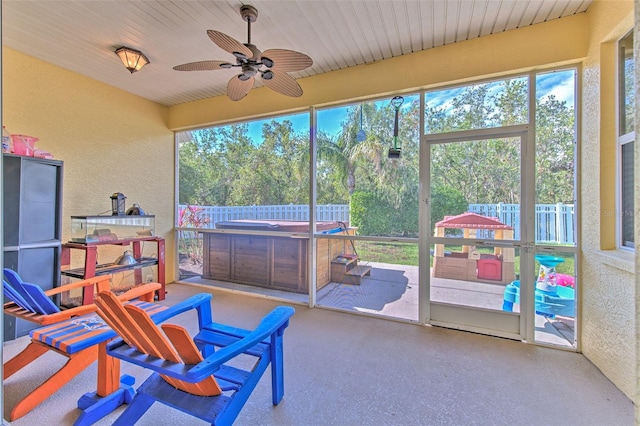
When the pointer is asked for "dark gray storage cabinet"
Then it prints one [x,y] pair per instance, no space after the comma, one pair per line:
[32,220]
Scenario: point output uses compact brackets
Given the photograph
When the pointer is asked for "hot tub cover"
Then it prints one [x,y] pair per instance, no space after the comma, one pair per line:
[274,225]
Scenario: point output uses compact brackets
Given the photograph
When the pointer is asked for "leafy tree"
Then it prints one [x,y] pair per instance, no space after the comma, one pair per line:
[346,153]
[446,201]
[201,163]
[511,106]
[364,166]
[554,152]
[224,166]
[489,171]
[370,213]
[331,187]
[275,173]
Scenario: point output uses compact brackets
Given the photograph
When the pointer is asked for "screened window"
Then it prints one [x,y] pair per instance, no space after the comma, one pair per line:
[555,220]
[252,163]
[253,170]
[477,106]
[626,138]
[356,166]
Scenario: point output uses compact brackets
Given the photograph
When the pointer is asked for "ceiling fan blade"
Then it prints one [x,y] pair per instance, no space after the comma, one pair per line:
[203,66]
[229,44]
[238,89]
[283,83]
[287,60]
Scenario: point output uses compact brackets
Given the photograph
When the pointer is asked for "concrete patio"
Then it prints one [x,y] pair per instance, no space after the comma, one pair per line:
[392,291]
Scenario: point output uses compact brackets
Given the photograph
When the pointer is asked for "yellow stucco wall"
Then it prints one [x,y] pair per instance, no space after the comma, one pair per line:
[607,275]
[110,141]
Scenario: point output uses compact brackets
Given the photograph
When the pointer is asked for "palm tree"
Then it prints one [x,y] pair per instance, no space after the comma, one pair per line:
[343,150]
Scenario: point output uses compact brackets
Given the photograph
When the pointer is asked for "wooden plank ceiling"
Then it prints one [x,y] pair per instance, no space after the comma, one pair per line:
[81,35]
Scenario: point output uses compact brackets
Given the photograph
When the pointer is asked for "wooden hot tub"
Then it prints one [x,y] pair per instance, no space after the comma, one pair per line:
[269,260]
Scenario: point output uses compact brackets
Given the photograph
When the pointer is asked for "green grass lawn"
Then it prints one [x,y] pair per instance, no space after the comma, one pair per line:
[407,254]
[393,253]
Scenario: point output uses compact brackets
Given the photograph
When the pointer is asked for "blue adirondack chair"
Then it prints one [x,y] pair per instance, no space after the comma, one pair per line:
[190,374]
[73,333]
[26,295]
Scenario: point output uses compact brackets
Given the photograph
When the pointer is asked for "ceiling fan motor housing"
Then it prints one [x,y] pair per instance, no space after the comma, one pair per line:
[256,52]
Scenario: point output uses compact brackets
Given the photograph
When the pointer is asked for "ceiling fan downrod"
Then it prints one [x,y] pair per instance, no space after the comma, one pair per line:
[249,14]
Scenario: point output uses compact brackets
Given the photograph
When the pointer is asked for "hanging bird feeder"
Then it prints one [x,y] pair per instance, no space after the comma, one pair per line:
[395,152]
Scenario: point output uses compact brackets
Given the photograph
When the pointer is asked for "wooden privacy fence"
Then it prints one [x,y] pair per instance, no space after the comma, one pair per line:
[554,223]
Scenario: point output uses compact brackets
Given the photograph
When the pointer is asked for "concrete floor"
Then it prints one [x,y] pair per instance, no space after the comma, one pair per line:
[343,369]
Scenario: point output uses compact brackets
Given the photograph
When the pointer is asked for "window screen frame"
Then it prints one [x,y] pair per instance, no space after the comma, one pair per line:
[625,144]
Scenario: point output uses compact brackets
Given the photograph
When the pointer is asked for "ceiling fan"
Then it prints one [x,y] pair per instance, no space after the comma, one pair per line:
[272,65]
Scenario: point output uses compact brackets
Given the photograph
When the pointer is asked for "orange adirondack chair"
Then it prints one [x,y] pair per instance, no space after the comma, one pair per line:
[76,335]
[191,374]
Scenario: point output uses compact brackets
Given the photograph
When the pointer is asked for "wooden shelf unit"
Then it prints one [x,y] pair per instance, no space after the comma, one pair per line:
[92,269]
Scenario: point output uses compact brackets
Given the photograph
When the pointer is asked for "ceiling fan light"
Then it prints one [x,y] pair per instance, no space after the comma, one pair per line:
[132,59]
[249,71]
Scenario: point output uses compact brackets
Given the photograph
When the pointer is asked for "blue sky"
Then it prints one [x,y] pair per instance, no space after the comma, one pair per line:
[558,83]
[329,120]
[561,84]
[300,123]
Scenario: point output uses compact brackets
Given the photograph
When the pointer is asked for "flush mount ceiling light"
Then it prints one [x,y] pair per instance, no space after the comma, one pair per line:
[132,59]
